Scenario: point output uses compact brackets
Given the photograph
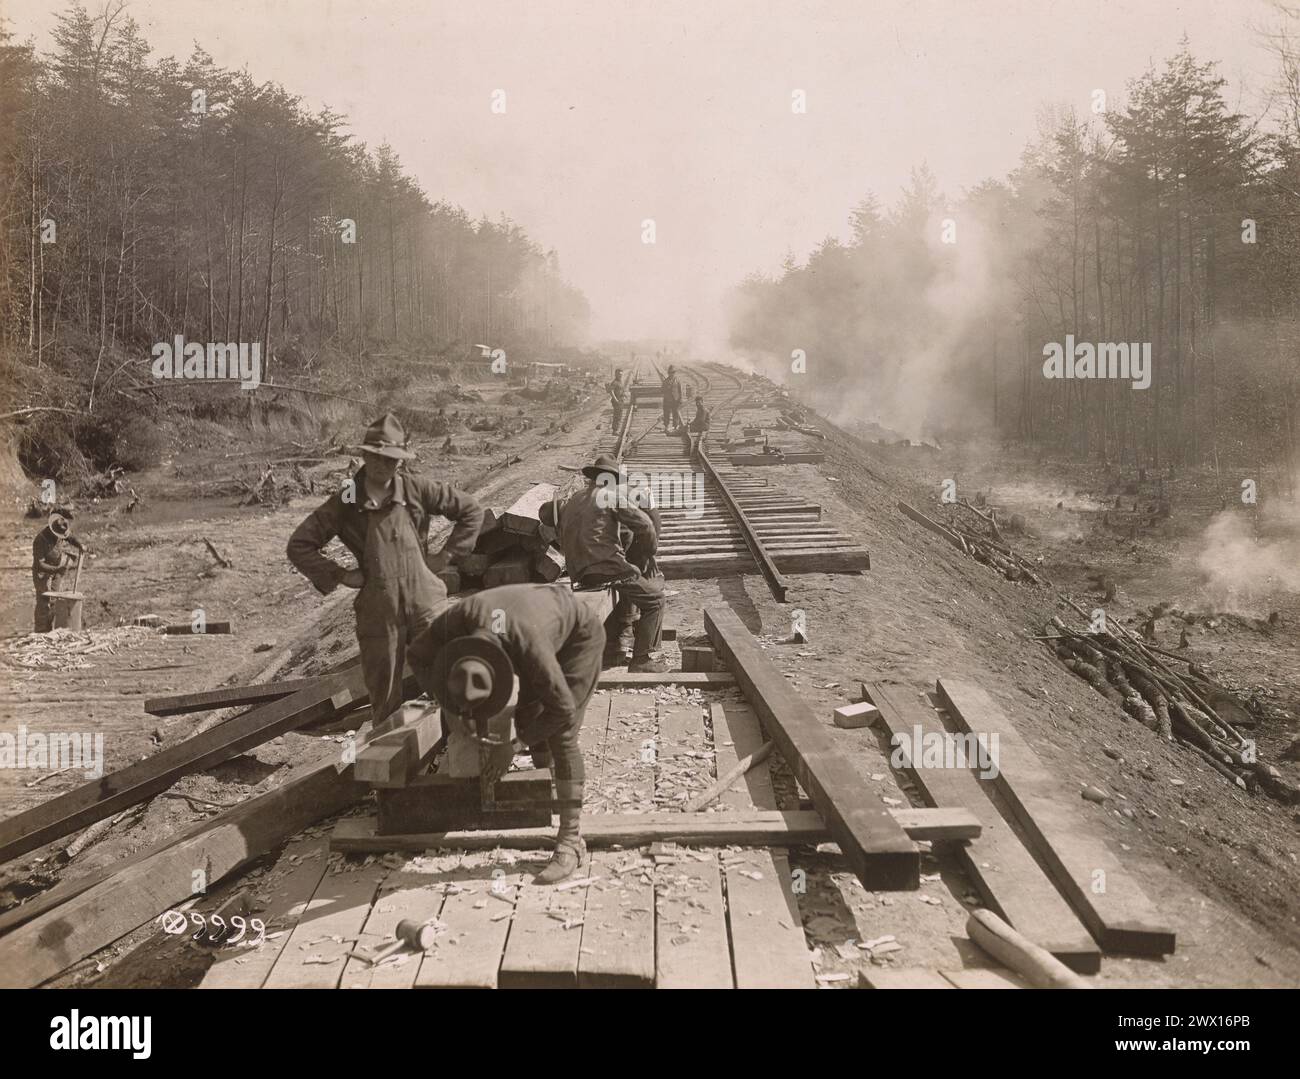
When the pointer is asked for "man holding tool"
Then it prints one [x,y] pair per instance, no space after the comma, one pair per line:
[467,659]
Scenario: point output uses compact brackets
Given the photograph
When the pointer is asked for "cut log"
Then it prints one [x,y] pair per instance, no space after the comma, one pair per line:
[549,565]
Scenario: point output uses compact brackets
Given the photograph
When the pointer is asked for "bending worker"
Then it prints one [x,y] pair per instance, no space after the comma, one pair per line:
[382,516]
[554,643]
[51,557]
[588,523]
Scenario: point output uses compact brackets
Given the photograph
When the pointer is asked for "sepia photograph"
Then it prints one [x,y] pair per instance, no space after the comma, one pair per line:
[662,494]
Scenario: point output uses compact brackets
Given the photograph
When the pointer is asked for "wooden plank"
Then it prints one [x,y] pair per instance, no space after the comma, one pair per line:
[542,949]
[225,697]
[737,734]
[618,932]
[618,944]
[876,847]
[776,828]
[801,560]
[1004,873]
[624,680]
[933,525]
[691,942]
[477,911]
[985,978]
[907,978]
[149,883]
[681,757]
[1119,915]
[101,798]
[289,887]
[312,958]
[767,940]
[768,947]
[391,758]
[440,803]
[405,894]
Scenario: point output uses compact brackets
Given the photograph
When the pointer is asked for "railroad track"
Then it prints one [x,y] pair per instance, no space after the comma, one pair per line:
[718,519]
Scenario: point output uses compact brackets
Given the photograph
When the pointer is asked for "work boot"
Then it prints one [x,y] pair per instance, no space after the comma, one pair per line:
[570,850]
[569,856]
[647,665]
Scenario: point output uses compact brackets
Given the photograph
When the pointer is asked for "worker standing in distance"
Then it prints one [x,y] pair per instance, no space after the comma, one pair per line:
[544,634]
[51,557]
[382,516]
[699,425]
[589,523]
[620,397]
[672,391]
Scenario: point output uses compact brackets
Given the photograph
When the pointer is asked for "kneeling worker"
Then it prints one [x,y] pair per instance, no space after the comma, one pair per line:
[554,643]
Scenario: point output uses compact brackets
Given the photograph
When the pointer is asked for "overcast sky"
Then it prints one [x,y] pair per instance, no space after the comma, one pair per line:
[680,110]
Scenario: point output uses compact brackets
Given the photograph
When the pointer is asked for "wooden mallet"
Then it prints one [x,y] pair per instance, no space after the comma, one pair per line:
[416,935]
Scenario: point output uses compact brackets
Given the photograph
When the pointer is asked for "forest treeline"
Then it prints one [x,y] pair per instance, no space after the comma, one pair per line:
[1168,218]
[184,198]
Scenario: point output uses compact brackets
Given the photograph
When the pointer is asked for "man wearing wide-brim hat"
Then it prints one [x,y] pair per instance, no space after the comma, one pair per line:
[51,557]
[382,515]
[543,634]
[589,523]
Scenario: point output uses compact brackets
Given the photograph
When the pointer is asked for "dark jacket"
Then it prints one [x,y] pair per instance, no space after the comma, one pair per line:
[50,556]
[589,522]
[423,498]
[531,622]
[672,388]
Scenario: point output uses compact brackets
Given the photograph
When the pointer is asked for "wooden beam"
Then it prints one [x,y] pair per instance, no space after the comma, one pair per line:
[225,697]
[392,758]
[522,517]
[164,876]
[758,828]
[1119,915]
[1003,872]
[877,849]
[627,680]
[128,786]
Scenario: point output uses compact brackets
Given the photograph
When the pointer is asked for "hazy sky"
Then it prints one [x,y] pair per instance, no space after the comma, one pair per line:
[681,111]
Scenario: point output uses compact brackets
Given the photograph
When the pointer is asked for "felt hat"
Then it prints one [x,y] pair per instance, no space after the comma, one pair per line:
[59,524]
[488,676]
[606,462]
[386,437]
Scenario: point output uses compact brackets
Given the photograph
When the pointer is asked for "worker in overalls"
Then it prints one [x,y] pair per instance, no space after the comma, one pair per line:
[382,516]
[51,557]
[553,642]
[593,525]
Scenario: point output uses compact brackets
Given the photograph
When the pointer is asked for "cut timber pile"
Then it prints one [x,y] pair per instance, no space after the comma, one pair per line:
[513,547]
[981,548]
[1124,670]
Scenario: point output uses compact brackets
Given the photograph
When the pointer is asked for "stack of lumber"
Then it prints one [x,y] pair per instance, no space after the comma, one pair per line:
[513,547]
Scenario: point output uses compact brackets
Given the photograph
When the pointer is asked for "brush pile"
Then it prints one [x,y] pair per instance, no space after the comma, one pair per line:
[1176,707]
